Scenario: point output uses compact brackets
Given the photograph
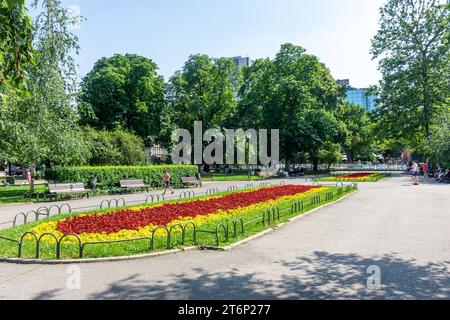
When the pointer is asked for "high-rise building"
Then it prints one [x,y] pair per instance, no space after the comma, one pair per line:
[357,96]
[242,61]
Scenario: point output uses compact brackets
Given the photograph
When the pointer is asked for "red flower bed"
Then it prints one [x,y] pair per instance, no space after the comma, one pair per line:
[355,176]
[133,220]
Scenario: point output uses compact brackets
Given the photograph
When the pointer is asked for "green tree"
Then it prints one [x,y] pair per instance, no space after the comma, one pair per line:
[360,141]
[205,90]
[331,154]
[43,125]
[414,50]
[125,91]
[16,51]
[296,94]
[439,148]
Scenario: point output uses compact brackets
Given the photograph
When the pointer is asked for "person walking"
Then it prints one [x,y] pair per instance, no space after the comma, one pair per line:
[166,182]
[425,169]
[415,172]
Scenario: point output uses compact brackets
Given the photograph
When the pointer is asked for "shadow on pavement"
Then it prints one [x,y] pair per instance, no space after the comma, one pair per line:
[320,276]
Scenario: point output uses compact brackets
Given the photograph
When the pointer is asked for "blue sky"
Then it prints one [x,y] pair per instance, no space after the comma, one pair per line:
[168,31]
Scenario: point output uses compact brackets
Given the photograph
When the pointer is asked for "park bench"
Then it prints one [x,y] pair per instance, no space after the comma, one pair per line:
[266,175]
[191,181]
[207,175]
[133,184]
[57,189]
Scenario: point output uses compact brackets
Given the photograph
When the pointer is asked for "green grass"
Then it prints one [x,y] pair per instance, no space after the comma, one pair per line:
[68,250]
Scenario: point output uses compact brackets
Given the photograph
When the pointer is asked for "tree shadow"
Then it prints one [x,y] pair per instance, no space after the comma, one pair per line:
[320,276]
[47,295]
[340,276]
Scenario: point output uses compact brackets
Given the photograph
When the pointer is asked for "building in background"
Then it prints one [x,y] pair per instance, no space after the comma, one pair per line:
[242,61]
[357,96]
[156,155]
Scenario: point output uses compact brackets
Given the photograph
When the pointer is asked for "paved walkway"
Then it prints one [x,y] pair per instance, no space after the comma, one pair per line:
[401,229]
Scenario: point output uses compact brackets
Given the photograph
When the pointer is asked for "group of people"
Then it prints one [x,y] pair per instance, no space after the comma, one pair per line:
[428,170]
[440,174]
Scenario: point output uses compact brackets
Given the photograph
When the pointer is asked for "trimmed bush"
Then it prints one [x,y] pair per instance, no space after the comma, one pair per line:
[108,177]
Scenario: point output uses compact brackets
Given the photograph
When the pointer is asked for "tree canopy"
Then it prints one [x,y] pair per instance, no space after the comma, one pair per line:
[295,93]
[360,143]
[16,51]
[43,125]
[205,90]
[413,46]
[126,91]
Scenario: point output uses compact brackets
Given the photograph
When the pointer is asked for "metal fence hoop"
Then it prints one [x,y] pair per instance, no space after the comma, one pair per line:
[43,212]
[17,216]
[234,226]
[43,209]
[20,253]
[152,242]
[65,205]
[53,207]
[107,202]
[36,216]
[48,234]
[67,235]
[172,228]
[154,197]
[121,201]
[276,213]
[212,191]
[225,229]
[184,232]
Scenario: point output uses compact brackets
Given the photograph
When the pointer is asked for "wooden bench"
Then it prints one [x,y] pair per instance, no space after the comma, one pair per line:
[191,181]
[133,184]
[266,175]
[57,189]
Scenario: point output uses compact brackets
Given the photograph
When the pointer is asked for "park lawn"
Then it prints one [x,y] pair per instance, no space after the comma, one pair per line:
[232,177]
[15,194]
[205,233]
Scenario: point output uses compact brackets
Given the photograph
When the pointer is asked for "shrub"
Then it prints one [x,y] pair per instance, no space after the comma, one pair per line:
[113,148]
[108,177]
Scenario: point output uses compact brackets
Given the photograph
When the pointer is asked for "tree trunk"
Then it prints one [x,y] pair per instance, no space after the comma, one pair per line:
[316,164]
[287,166]
[33,174]
[349,157]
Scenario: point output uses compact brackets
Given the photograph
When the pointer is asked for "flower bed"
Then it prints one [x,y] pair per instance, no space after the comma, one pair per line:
[356,177]
[154,221]
[142,221]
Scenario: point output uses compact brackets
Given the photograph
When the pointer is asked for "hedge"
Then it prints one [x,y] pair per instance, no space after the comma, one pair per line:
[108,177]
